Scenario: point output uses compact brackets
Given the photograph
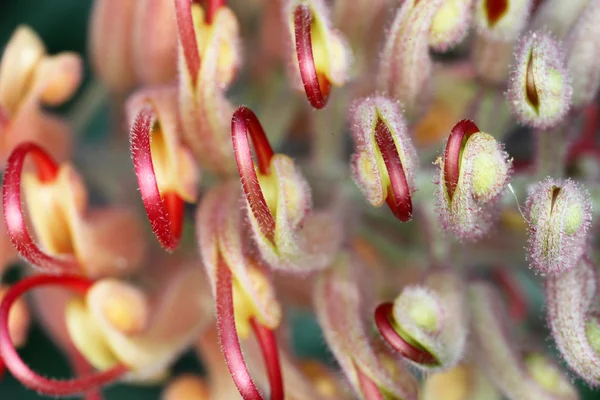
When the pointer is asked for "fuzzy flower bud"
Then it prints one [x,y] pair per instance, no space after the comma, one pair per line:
[385,161]
[517,372]
[473,172]
[583,51]
[571,298]
[559,214]
[321,55]
[539,89]
[501,19]
[427,324]
[450,24]
[340,308]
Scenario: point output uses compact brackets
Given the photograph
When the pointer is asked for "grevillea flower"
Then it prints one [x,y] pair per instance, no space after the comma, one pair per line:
[385,161]
[165,168]
[288,235]
[571,298]
[559,214]
[473,172]
[29,78]
[465,381]
[405,66]
[516,371]
[450,24]
[501,19]
[321,57]
[73,238]
[245,298]
[427,324]
[373,372]
[582,45]
[209,58]
[539,88]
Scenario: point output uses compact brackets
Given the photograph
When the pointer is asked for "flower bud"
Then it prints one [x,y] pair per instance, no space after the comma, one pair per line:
[491,59]
[583,51]
[559,214]
[501,19]
[473,172]
[340,305]
[450,24]
[321,54]
[385,161]
[539,89]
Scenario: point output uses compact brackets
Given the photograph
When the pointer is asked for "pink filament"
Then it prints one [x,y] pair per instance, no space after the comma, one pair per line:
[165,225]
[317,95]
[461,131]
[13,212]
[20,370]
[243,123]
[231,345]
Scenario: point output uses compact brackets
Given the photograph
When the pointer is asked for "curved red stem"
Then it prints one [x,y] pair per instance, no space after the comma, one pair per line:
[187,37]
[231,345]
[383,314]
[13,212]
[461,131]
[398,198]
[369,389]
[20,370]
[243,123]
[158,214]
[316,86]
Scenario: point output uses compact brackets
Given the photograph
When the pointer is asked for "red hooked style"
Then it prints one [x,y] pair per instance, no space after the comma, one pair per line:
[461,132]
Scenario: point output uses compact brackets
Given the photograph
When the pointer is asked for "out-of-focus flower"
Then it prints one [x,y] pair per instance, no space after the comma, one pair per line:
[186,387]
[501,19]
[30,78]
[18,319]
[558,16]
[465,381]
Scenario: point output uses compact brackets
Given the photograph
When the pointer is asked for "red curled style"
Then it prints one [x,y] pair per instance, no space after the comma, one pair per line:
[243,123]
[398,198]
[187,37]
[383,313]
[22,372]
[452,157]
[47,171]
[165,214]
[316,86]
[369,389]
[230,343]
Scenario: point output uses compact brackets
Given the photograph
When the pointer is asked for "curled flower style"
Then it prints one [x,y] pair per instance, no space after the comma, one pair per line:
[209,58]
[405,66]
[539,88]
[20,370]
[385,161]
[517,372]
[473,172]
[96,242]
[166,170]
[30,78]
[373,372]
[245,298]
[572,318]
[450,24]
[583,50]
[322,55]
[288,235]
[501,19]
[427,324]
[559,214]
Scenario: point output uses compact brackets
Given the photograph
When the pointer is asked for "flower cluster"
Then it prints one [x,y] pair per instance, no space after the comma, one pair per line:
[231,217]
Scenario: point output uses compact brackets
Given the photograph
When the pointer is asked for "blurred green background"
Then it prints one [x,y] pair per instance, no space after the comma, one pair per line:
[62,25]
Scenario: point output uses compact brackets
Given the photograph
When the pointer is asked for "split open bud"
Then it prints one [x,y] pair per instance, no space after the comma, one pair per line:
[539,88]
[474,170]
[321,56]
[405,67]
[559,214]
[427,324]
[166,171]
[373,371]
[30,78]
[501,19]
[73,238]
[571,300]
[289,235]
[582,45]
[209,58]
[518,372]
[245,297]
[385,161]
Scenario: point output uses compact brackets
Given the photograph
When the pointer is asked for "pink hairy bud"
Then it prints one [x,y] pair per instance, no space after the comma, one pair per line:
[501,19]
